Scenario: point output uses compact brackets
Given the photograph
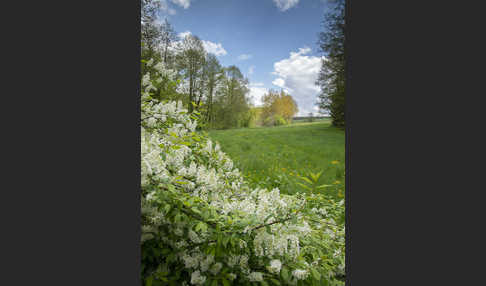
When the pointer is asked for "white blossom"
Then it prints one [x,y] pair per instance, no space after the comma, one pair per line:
[216,268]
[255,276]
[206,263]
[232,276]
[300,274]
[275,266]
[197,278]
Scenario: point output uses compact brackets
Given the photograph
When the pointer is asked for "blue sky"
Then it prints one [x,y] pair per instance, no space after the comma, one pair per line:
[273,42]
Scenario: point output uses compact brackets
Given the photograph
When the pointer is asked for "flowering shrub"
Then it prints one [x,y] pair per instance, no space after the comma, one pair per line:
[203,225]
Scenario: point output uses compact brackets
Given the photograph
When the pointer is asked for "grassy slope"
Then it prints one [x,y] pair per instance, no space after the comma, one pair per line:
[273,156]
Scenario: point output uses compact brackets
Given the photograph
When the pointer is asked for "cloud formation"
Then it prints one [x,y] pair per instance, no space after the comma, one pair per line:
[183,3]
[284,5]
[244,57]
[297,75]
[182,35]
[210,47]
[165,8]
[257,91]
[214,48]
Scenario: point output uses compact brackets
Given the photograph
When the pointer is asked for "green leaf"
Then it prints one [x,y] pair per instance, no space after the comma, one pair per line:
[315,177]
[225,282]
[201,225]
[275,281]
[315,274]
[323,186]
[225,241]
[285,273]
[307,180]
[149,281]
[305,186]
[215,283]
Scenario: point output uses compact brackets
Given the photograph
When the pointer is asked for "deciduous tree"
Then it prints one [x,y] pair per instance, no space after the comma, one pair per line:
[190,62]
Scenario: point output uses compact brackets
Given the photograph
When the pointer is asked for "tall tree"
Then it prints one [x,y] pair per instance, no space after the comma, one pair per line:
[278,105]
[332,76]
[190,61]
[232,102]
[151,33]
[213,74]
[168,37]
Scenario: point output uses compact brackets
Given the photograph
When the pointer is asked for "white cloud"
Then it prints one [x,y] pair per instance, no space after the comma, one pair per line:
[165,8]
[257,84]
[244,57]
[183,3]
[182,35]
[256,93]
[214,48]
[251,69]
[210,47]
[297,75]
[279,82]
[284,5]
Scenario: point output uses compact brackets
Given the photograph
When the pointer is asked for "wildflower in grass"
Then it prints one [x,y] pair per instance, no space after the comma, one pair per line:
[334,162]
[337,182]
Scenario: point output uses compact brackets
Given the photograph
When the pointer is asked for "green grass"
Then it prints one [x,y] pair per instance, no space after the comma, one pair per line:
[275,156]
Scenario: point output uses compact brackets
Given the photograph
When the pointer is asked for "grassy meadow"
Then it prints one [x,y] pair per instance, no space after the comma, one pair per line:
[276,156]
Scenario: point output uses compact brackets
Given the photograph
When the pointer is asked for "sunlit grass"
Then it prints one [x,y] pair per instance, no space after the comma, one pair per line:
[277,156]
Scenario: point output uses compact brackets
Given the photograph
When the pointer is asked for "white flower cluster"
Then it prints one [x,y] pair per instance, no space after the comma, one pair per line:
[161,73]
[300,274]
[255,276]
[275,266]
[197,278]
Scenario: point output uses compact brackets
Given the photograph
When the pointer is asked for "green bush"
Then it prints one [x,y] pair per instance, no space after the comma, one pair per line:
[274,120]
[279,120]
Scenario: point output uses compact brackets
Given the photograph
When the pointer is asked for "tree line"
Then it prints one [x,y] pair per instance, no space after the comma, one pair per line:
[218,94]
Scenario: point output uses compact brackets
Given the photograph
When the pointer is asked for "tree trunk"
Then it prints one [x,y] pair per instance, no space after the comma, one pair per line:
[210,104]
[190,94]
[165,51]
